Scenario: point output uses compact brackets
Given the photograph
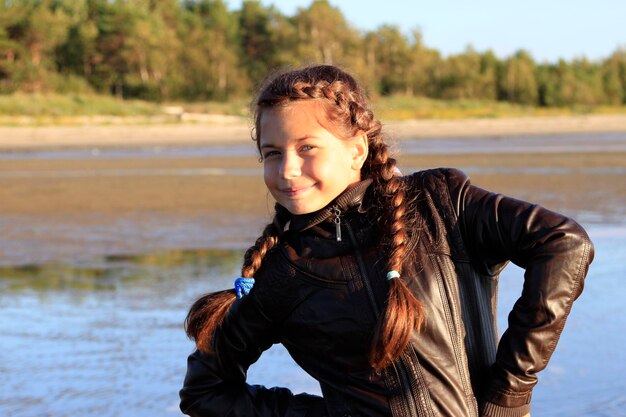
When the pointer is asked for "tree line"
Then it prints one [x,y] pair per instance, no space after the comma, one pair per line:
[162,50]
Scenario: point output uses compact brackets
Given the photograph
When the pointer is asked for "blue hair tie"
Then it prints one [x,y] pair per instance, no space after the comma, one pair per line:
[392,274]
[243,286]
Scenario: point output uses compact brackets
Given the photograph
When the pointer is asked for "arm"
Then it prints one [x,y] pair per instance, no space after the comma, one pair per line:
[215,383]
[555,253]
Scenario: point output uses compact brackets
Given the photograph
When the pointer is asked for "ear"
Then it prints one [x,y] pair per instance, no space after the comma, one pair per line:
[359,149]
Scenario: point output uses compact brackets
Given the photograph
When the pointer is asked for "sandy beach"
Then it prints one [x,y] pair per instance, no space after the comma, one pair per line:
[214,129]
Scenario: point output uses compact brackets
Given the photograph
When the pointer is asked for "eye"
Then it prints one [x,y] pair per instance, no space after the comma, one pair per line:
[305,148]
[270,153]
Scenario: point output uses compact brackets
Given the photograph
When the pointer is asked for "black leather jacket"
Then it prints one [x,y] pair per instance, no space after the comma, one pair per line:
[320,298]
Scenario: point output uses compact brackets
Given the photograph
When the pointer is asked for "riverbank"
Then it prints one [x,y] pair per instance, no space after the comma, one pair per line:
[209,129]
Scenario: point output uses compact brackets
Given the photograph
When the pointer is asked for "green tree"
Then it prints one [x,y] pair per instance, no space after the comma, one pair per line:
[210,57]
[614,77]
[324,35]
[258,49]
[113,59]
[490,67]
[557,85]
[518,83]
[589,83]
[10,50]
[39,27]
[461,76]
[74,56]
[389,53]
[153,46]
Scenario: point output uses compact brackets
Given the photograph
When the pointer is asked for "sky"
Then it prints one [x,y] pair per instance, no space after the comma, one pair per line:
[548,29]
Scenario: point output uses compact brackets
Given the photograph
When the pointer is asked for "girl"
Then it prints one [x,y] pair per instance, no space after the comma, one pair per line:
[381,287]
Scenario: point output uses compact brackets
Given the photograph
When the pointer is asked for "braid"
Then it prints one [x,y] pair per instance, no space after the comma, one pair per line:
[208,312]
[255,254]
[403,312]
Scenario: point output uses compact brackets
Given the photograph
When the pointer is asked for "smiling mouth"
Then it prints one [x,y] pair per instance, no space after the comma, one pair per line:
[292,192]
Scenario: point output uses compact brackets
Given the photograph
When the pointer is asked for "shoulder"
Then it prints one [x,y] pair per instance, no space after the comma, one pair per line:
[275,289]
[441,182]
[437,176]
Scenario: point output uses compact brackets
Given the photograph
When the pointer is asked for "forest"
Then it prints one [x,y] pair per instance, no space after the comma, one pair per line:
[195,50]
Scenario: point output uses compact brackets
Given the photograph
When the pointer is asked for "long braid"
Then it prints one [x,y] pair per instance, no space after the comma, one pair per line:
[403,312]
[208,312]
[255,254]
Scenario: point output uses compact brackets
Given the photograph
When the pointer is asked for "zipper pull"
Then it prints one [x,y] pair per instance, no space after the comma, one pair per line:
[337,221]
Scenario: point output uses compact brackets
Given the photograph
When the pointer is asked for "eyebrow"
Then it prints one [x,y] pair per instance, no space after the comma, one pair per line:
[270,145]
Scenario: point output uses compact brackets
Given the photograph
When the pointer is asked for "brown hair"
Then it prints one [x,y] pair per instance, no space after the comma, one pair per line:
[348,111]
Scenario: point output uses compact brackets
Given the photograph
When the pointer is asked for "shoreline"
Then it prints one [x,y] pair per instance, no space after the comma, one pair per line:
[119,133]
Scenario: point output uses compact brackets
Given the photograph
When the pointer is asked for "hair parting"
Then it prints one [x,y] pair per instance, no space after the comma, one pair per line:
[348,115]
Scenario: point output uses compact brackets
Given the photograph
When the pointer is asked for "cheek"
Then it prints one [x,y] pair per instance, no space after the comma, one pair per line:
[330,171]
[268,176]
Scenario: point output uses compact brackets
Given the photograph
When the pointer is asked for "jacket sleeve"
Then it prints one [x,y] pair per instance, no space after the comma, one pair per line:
[215,384]
[555,253]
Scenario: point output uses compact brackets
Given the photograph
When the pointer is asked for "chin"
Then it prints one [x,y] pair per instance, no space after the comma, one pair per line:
[301,208]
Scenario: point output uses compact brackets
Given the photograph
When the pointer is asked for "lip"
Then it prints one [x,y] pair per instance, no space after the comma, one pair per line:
[293,192]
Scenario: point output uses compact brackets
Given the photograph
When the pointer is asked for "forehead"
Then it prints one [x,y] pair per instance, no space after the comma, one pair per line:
[298,119]
[298,115]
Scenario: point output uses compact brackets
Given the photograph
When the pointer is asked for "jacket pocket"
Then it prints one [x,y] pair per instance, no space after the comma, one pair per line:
[313,279]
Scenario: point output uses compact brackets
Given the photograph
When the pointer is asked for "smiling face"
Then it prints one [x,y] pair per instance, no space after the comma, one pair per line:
[305,165]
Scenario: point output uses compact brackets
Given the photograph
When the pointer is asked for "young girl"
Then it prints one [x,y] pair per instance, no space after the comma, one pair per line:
[381,287]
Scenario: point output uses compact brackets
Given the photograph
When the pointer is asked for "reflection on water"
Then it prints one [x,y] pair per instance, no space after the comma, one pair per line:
[113,271]
[102,339]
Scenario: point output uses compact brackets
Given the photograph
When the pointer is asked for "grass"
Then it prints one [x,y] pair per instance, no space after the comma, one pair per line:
[51,105]
[53,109]
[405,108]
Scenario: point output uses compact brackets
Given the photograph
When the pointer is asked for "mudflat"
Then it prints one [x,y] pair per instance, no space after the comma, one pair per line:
[66,202]
[182,186]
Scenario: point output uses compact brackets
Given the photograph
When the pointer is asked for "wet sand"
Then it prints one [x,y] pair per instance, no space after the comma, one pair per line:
[34,186]
[70,209]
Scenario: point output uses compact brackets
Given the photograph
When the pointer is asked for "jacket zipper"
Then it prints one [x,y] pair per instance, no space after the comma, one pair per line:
[458,344]
[337,220]
[405,381]
[408,406]
[366,281]
[451,328]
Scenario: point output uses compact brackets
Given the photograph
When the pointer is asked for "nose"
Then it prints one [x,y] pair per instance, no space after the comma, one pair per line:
[290,166]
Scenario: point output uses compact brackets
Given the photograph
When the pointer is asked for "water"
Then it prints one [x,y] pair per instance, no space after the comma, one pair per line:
[106,338]
[585,375]
[584,142]
[92,309]
[103,338]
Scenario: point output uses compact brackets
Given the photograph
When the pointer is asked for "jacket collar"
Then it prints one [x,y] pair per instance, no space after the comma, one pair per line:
[351,197]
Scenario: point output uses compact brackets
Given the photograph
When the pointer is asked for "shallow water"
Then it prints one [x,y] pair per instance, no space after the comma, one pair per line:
[105,338]
[92,308]
[584,142]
